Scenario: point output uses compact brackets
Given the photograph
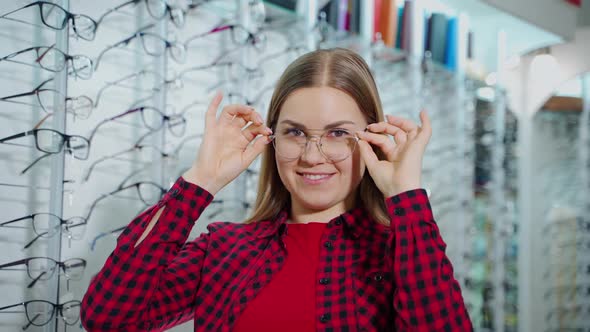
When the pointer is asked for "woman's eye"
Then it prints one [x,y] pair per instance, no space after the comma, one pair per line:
[338,133]
[294,132]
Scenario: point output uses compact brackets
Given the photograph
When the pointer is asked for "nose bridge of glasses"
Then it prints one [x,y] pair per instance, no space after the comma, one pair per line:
[306,151]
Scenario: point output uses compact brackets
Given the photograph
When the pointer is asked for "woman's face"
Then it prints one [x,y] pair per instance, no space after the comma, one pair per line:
[315,182]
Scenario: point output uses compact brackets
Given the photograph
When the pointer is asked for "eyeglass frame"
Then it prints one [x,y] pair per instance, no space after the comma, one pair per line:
[139,34]
[64,223]
[318,145]
[252,38]
[123,187]
[69,16]
[67,59]
[165,118]
[62,265]
[168,9]
[65,138]
[55,307]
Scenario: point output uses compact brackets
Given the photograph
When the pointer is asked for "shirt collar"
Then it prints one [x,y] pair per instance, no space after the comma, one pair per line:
[353,221]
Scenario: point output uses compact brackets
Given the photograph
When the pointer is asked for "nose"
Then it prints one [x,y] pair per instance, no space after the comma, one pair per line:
[311,152]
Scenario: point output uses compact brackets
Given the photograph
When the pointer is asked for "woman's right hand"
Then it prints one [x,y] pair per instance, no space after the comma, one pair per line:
[225,149]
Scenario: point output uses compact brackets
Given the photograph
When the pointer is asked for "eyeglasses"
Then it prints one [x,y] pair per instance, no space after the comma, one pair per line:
[80,106]
[56,17]
[45,96]
[334,144]
[40,312]
[152,118]
[136,147]
[156,8]
[46,225]
[42,268]
[54,60]
[52,141]
[239,36]
[149,193]
[142,75]
[153,44]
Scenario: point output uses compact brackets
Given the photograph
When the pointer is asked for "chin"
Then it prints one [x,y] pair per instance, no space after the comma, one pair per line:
[317,200]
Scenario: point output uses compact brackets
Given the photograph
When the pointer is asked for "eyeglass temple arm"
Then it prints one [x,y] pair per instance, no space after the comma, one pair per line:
[45,53]
[30,322]
[34,240]
[12,55]
[114,83]
[105,158]
[125,41]
[32,283]
[101,235]
[19,262]
[33,163]
[110,47]
[20,94]
[82,263]
[111,119]
[30,92]
[114,9]
[16,10]
[15,220]
[12,306]
[26,133]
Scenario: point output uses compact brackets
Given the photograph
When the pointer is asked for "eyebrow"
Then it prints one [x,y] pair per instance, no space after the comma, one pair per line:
[329,126]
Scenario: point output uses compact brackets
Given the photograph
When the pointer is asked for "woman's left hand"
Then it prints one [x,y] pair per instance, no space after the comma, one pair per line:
[402,168]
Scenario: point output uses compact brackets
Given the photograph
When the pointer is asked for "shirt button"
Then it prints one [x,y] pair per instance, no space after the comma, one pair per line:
[324,318]
[325,281]
[378,277]
[328,244]
[399,212]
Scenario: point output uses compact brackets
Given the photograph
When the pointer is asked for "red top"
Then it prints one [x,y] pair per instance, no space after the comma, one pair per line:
[287,303]
[370,277]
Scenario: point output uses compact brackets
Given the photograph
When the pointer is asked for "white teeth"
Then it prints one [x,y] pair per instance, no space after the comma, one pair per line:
[315,177]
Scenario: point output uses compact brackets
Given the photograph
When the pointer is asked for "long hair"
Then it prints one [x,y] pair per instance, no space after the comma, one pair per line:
[337,68]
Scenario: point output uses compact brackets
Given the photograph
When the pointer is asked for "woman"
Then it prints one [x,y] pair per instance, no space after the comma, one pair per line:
[342,238]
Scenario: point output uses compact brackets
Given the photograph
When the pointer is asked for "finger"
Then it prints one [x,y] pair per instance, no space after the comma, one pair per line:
[255,149]
[242,112]
[382,141]
[399,136]
[384,127]
[426,130]
[368,155]
[253,130]
[405,124]
[211,114]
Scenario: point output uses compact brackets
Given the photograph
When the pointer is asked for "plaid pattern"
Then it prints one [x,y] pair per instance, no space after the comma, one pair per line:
[370,277]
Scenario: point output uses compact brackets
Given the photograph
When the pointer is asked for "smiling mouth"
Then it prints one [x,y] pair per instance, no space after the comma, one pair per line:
[315,178]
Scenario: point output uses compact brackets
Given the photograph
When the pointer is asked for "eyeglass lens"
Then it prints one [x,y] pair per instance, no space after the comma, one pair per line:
[336,145]
[51,58]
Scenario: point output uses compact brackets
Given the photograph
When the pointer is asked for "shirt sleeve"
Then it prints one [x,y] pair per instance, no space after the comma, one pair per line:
[427,297]
[151,286]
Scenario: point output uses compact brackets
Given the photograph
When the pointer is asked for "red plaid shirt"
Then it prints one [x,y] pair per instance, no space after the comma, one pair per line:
[370,277]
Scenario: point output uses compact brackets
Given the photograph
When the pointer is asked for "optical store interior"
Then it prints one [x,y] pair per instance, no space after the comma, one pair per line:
[102,108]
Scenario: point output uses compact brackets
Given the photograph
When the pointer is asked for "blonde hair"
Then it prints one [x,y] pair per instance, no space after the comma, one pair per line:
[337,68]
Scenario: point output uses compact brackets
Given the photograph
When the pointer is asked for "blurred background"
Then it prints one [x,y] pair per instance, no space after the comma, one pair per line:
[102,105]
